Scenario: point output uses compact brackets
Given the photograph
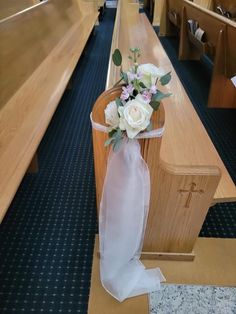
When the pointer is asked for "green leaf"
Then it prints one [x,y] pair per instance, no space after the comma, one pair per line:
[117,145]
[118,134]
[125,77]
[112,133]
[154,104]
[149,127]
[108,142]
[142,85]
[159,96]
[165,79]
[118,102]
[117,57]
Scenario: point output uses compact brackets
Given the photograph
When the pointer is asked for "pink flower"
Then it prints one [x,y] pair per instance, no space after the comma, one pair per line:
[147,95]
[139,75]
[131,76]
[126,92]
[153,89]
[130,89]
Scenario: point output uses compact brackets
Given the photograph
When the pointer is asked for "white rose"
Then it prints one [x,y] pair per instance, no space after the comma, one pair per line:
[149,74]
[134,117]
[111,115]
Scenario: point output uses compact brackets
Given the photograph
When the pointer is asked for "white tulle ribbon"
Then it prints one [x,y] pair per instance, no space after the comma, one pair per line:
[122,221]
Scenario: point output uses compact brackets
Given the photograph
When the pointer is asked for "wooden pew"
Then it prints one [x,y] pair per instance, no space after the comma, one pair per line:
[170,17]
[220,46]
[187,155]
[10,7]
[39,50]
[207,4]
[228,5]
[158,8]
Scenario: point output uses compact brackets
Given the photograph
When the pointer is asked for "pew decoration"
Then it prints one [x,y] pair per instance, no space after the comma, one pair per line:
[130,112]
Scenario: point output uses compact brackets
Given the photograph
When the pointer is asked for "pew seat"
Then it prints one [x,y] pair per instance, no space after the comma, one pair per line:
[26,113]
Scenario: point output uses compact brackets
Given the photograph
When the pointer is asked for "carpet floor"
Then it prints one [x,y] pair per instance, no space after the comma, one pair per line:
[47,235]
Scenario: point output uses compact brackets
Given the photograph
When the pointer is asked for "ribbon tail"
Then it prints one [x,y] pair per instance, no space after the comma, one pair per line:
[123,215]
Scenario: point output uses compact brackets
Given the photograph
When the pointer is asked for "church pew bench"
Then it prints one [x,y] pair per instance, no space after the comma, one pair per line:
[187,159]
[39,50]
[176,5]
[226,5]
[170,17]
[219,45]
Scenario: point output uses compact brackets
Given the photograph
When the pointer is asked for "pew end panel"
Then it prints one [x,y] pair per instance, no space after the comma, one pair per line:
[184,195]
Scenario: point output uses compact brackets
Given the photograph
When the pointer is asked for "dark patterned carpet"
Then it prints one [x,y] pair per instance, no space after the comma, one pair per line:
[47,236]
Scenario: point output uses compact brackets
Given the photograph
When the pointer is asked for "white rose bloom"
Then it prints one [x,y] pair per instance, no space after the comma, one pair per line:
[150,73]
[111,115]
[134,117]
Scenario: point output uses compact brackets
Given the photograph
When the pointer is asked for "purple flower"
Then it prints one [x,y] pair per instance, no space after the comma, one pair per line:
[131,76]
[153,89]
[139,75]
[147,95]
[126,91]
[130,89]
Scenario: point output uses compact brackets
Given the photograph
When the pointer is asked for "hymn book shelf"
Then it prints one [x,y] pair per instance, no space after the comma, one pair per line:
[220,46]
[188,176]
[39,50]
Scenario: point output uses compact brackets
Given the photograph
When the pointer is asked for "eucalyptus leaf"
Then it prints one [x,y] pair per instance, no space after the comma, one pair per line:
[117,145]
[149,127]
[159,96]
[165,79]
[142,85]
[118,102]
[118,134]
[109,141]
[125,77]
[117,57]
[154,104]
[112,133]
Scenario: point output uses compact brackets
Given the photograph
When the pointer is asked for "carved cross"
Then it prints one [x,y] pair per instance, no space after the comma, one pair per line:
[191,191]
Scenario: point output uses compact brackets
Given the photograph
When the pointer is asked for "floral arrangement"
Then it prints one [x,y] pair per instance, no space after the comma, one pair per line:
[131,113]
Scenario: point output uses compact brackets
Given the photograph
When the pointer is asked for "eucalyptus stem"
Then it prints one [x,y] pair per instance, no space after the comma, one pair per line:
[120,80]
